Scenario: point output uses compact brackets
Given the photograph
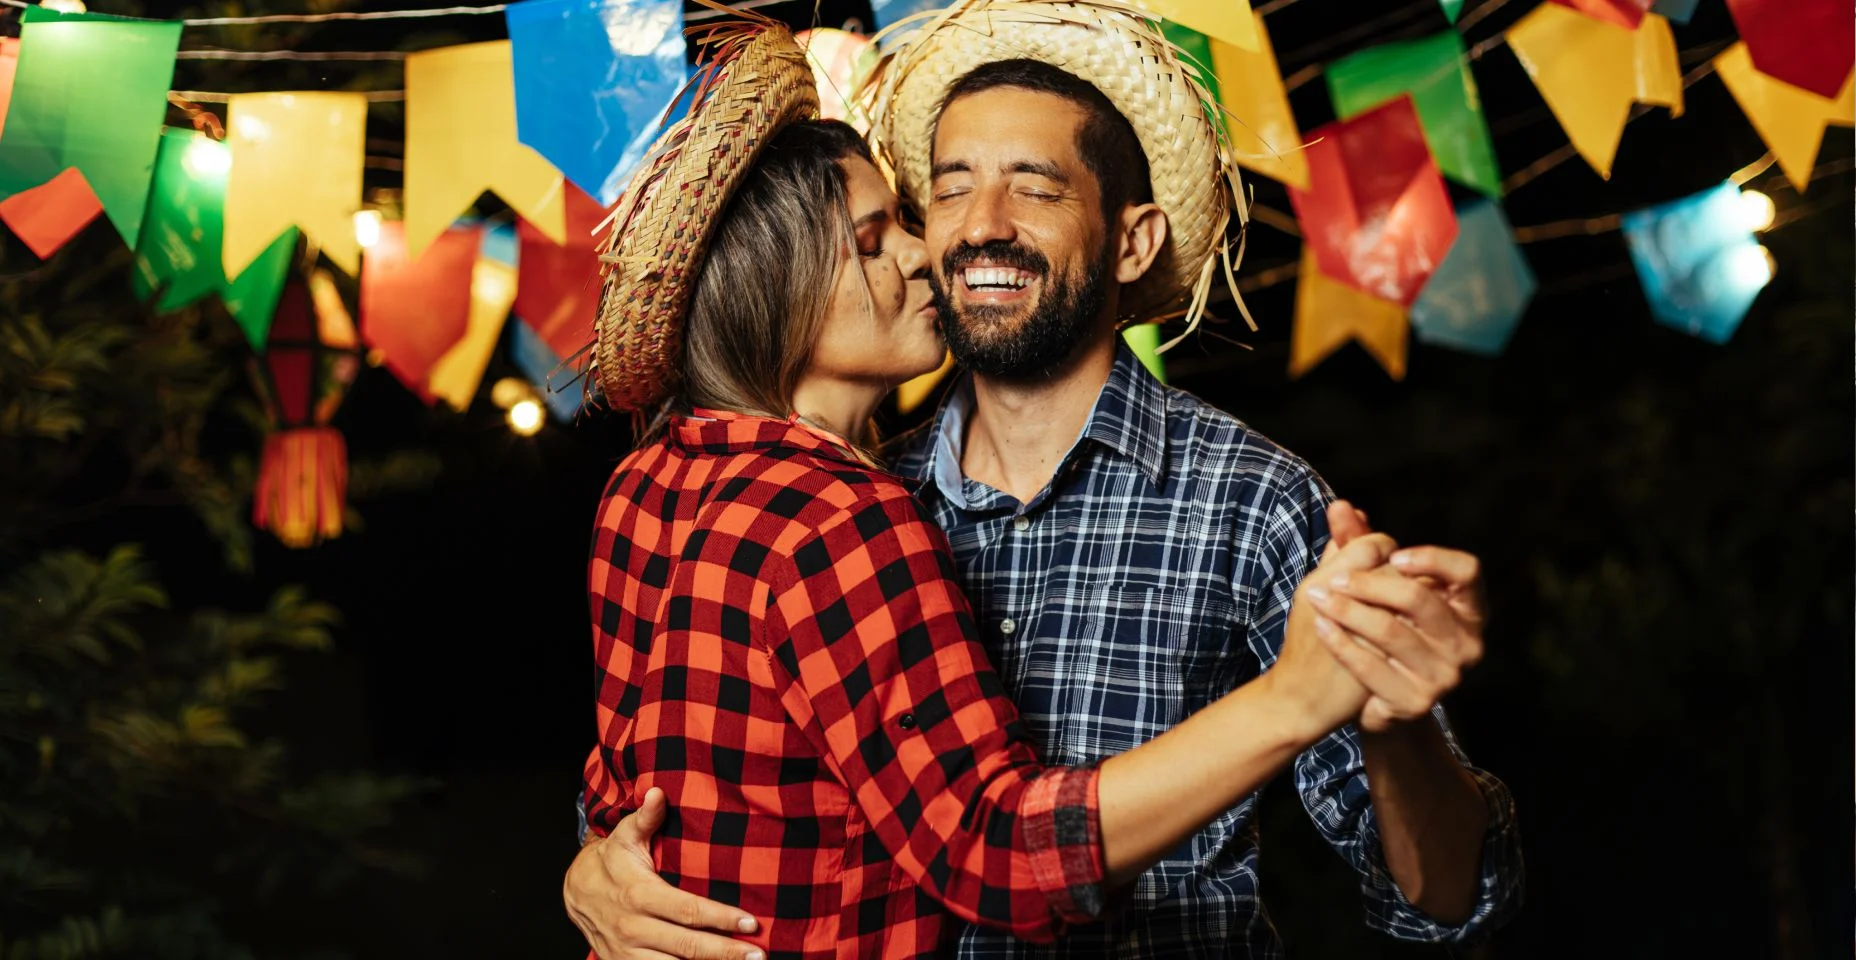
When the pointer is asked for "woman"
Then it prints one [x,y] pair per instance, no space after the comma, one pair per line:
[783,648]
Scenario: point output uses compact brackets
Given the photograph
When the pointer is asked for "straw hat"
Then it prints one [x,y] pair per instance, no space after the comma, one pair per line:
[755,82]
[1121,51]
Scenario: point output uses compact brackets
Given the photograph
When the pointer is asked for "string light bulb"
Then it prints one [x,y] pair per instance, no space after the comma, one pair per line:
[64,6]
[1751,268]
[1756,210]
[367,228]
[525,418]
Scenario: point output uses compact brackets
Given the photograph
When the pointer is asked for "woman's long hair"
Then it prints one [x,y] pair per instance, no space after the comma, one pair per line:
[761,297]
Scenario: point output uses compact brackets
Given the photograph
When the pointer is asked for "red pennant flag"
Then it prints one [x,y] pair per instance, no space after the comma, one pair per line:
[414,312]
[47,216]
[1376,214]
[557,285]
[1806,43]
[1625,13]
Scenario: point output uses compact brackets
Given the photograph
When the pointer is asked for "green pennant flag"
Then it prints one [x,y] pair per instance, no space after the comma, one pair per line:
[1452,8]
[1197,51]
[1436,74]
[178,251]
[90,92]
[1144,340]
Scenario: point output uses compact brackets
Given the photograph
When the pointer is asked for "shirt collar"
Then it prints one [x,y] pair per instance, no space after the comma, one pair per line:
[1129,418]
[725,432]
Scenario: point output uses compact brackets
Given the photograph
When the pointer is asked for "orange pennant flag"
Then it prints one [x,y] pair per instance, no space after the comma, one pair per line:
[1790,119]
[1590,72]
[1264,136]
[1329,313]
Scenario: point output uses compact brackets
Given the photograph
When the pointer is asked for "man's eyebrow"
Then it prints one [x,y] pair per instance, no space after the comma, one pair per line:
[1041,168]
[949,166]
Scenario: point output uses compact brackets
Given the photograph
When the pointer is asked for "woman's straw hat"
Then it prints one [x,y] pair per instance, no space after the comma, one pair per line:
[755,82]
[1121,51]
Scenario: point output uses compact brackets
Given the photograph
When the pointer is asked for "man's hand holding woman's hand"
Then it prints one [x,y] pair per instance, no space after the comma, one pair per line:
[1402,625]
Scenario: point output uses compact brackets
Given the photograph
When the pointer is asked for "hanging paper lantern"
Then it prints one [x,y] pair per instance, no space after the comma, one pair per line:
[1376,215]
[1328,314]
[461,141]
[1590,72]
[1806,43]
[1435,73]
[456,375]
[414,311]
[178,252]
[840,61]
[1477,296]
[89,93]
[1791,120]
[1624,13]
[301,492]
[593,82]
[1700,265]
[1264,137]
[297,160]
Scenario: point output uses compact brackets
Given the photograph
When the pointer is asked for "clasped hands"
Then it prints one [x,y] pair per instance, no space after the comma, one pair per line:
[1377,635]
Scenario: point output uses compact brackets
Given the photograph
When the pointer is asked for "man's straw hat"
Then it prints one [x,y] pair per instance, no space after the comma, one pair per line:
[754,83]
[1121,51]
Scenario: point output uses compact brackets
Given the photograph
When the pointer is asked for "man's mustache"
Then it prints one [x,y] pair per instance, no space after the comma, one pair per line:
[999,253]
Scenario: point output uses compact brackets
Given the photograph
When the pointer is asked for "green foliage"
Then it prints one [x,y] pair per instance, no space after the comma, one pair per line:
[147,811]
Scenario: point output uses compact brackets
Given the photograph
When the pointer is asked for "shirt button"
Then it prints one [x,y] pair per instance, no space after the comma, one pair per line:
[1006,626]
[1021,524]
[906,721]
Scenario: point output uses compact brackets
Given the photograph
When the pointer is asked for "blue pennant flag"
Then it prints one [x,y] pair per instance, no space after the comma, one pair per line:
[1677,11]
[560,387]
[594,80]
[1699,262]
[1481,290]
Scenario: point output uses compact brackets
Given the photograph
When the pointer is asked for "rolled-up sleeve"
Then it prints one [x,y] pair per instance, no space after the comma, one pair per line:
[873,644]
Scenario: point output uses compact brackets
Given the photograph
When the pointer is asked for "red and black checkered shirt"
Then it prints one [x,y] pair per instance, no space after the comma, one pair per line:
[783,648]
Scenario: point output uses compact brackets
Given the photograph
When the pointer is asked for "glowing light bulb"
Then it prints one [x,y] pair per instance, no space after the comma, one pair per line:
[367,228]
[64,6]
[491,283]
[1756,210]
[207,160]
[1750,268]
[525,418]
[510,391]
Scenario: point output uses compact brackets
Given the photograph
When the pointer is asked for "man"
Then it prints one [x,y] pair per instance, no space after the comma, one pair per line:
[1132,554]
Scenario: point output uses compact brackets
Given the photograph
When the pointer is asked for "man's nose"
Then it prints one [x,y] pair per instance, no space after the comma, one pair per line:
[987,220]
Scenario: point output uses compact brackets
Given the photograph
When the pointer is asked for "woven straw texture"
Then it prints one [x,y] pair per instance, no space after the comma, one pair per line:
[653,254]
[1121,52]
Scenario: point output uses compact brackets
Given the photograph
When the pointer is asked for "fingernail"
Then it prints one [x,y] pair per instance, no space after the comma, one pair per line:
[748,925]
[1318,594]
[1401,559]
[1323,627]
[1338,582]
[755,955]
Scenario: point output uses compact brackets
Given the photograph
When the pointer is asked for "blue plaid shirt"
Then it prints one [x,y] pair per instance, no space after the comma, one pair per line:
[1150,578]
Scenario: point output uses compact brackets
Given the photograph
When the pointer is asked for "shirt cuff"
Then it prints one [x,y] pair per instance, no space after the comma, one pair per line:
[1062,827]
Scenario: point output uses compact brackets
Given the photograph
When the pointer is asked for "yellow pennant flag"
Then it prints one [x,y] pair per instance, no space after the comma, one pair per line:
[1264,136]
[454,378]
[910,395]
[1590,71]
[461,141]
[1329,313]
[1790,119]
[1228,20]
[296,161]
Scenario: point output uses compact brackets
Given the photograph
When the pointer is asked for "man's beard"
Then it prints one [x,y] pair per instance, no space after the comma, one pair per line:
[977,333]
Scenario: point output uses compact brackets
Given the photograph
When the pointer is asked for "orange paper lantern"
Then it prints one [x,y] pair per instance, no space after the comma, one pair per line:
[302,485]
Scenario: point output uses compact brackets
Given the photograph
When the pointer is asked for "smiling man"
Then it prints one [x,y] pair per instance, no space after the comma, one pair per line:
[1132,554]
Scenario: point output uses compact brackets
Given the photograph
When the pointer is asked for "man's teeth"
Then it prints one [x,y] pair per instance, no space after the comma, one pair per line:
[1004,278]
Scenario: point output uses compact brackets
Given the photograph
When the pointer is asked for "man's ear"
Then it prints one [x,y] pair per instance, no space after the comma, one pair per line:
[1140,233]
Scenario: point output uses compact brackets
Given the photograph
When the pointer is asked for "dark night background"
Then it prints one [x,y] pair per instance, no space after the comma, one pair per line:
[1665,524]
